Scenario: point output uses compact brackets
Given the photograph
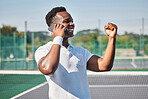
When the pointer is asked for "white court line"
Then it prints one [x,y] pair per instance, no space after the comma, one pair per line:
[29,90]
[118,73]
[117,86]
[133,64]
[19,72]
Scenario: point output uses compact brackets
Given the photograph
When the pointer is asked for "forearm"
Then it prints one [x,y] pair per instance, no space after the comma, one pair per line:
[50,62]
[108,59]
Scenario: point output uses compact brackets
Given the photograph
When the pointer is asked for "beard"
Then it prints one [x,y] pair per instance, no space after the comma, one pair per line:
[69,33]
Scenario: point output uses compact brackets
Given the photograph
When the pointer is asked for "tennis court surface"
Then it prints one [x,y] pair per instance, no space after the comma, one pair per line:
[103,85]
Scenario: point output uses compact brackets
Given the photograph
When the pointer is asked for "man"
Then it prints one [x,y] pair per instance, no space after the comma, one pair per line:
[64,65]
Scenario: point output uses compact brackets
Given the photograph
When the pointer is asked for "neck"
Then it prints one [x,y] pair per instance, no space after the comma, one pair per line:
[65,42]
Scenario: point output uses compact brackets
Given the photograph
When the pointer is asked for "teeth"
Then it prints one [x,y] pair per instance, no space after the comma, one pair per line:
[70,29]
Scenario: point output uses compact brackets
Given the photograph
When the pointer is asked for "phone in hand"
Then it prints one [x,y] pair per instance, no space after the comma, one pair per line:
[51,28]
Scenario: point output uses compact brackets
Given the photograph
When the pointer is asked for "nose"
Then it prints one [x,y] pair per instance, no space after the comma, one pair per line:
[71,23]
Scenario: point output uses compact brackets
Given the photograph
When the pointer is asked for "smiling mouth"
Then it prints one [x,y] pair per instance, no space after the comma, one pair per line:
[70,29]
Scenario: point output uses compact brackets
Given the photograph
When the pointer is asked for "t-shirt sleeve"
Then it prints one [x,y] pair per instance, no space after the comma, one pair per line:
[40,52]
[88,54]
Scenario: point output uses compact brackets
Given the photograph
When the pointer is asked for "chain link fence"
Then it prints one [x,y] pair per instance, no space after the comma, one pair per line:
[17,53]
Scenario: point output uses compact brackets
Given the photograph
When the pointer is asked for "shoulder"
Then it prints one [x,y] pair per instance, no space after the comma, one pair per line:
[79,49]
[42,51]
[46,46]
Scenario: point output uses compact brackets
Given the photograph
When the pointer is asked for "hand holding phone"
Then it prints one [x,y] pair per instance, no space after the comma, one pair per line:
[52,26]
[57,30]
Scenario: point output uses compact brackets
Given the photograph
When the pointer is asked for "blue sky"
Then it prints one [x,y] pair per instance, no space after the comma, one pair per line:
[127,14]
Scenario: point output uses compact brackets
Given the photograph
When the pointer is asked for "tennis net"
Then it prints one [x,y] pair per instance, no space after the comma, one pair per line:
[18,84]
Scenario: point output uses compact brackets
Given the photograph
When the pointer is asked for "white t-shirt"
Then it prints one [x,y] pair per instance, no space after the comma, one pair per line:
[70,79]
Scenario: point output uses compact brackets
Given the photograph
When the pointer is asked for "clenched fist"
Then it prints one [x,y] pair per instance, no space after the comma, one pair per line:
[111,30]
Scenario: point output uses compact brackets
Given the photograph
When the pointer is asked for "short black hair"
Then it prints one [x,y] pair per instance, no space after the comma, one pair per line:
[52,13]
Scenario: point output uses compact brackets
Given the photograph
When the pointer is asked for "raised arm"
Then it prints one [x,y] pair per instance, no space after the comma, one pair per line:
[49,63]
[96,63]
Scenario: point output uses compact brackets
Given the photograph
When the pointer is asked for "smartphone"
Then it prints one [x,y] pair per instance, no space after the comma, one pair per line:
[51,28]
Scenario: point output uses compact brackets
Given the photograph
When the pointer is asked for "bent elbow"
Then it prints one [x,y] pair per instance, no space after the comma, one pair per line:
[45,70]
[47,67]
[108,68]
[104,70]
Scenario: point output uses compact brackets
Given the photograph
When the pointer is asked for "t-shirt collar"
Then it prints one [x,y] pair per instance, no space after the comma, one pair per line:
[69,46]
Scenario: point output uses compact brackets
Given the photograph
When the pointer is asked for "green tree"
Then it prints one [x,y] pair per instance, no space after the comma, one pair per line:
[89,39]
[8,30]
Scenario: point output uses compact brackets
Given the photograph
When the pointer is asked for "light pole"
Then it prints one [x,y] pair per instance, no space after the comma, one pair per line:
[0,50]
[100,38]
[32,35]
[25,43]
